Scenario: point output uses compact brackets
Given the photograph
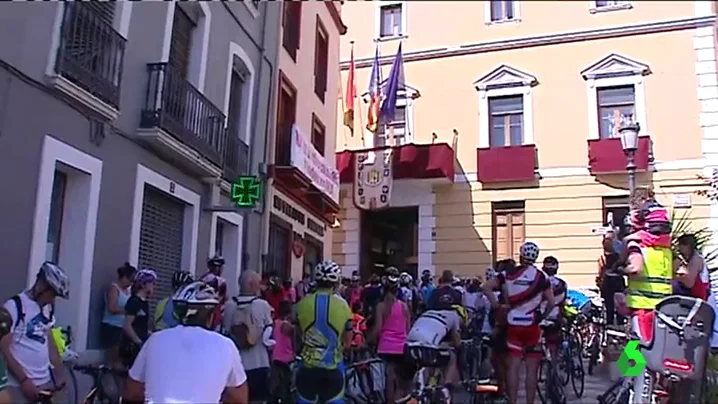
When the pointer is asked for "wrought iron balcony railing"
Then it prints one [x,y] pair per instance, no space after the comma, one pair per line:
[91,52]
[236,158]
[174,105]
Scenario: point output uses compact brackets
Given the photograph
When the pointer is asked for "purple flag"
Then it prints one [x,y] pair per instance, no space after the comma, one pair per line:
[394,84]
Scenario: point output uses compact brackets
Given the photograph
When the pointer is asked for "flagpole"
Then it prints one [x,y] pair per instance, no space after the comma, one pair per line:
[361,123]
[341,99]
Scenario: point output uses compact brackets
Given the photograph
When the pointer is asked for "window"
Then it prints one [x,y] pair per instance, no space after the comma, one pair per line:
[181,41]
[234,113]
[611,4]
[397,125]
[390,20]
[286,113]
[280,245]
[615,105]
[321,60]
[503,10]
[318,134]
[615,211]
[313,252]
[57,205]
[508,228]
[291,24]
[507,120]
[219,238]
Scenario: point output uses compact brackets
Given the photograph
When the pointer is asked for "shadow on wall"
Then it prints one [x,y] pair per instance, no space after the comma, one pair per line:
[459,245]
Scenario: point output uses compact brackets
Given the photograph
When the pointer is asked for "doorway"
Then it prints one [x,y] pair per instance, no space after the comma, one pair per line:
[389,238]
[616,214]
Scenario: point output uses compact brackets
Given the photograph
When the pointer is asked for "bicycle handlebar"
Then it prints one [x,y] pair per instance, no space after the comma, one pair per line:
[97,370]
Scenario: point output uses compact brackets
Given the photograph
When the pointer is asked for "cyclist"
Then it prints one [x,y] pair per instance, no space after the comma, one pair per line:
[445,296]
[526,287]
[692,274]
[353,292]
[28,349]
[137,315]
[405,293]
[326,328]
[371,295]
[433,329]
[164,312]
[427,286]
[648,266]
[560,287]
[497,322]
[159,374]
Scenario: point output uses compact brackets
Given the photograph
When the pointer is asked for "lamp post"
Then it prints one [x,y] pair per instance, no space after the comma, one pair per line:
[629,143]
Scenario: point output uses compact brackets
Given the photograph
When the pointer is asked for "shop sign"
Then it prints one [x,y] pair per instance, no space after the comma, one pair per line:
[307,159]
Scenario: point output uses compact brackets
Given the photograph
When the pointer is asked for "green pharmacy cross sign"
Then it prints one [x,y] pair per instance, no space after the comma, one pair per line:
[246,191]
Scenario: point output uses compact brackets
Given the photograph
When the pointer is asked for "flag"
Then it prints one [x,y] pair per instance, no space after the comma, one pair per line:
[351,96]
[394,84]
[375,94]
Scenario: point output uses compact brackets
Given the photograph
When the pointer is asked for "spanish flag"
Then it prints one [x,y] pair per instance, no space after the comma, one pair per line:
[375,94]
[351,96]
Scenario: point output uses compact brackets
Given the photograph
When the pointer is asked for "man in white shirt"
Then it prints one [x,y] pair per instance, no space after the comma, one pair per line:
[188,363]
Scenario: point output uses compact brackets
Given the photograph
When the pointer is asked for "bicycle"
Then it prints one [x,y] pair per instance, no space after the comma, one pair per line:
[477,377]
[98,393]
[548,372]
[429,388]
[596,339]
[69,358]
[570,364]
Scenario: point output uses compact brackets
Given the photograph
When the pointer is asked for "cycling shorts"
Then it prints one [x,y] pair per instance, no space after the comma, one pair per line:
[642,324]
[319,385]
[553,335]
[519,337]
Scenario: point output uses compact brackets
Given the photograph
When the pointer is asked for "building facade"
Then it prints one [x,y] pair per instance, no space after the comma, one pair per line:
[304,185]
[122,126]
[513,136]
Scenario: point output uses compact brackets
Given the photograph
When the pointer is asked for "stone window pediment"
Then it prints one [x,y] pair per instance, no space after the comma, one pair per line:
[615,65]
[505,76]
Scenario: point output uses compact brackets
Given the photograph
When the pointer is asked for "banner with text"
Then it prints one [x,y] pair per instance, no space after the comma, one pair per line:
[307,159]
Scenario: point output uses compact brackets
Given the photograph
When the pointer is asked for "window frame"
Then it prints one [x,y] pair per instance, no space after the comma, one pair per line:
[286,13]
[505,208]
[276,221]
[252,8]
[378,6]
[516,8]
[622,5]
[62,193]
[237,53]
[284,86]
[321,73]
[599,107]
[405,98]
[317,125]
[507,120]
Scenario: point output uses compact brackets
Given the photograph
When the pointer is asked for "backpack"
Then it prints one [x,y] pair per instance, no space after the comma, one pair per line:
[680,343]
[244,332]
[21,313]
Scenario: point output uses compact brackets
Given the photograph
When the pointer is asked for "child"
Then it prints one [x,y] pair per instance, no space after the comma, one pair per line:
[358,326]
[283,353]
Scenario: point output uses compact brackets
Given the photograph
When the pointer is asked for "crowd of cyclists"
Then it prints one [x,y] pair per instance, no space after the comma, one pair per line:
[247,348]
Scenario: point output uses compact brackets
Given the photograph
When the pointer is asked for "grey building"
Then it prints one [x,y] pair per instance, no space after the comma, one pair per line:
[122,124]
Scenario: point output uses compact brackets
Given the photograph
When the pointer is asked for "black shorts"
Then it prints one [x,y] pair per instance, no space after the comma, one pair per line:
[404,366]
[110,335]
[258,383]
[318,385]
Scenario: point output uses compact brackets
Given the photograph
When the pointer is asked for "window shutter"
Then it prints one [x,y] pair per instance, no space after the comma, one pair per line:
[105,10]
[181,42]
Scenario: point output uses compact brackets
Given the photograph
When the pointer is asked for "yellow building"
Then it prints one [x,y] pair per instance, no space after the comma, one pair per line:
[507,130]
[303,188]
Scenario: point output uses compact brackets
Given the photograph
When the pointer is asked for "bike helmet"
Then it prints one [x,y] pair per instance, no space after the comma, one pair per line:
[391,276]
[181,278]
[355,276]
[145,276]
[405,279]
[490,273]
[55,278]
[461,311]
[529,252]
[196,293]
[456,282]
[426,275]
[327,271]
[215,262]
[550,265]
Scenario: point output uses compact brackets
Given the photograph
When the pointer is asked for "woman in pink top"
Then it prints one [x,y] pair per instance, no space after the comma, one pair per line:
[283,352]
[391,327]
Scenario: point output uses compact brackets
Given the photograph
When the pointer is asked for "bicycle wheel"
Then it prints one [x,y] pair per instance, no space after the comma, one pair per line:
[577,375]
[542,381]
[556,392]
[71,393]
[564,365]
[594,351]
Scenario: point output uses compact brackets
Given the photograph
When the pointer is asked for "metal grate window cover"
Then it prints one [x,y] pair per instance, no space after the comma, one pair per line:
[161,236]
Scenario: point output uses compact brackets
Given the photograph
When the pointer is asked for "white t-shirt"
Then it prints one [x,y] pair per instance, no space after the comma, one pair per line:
[29,339]
[187,365]
[257,356]
[433,326]
[483,303]
[471,300]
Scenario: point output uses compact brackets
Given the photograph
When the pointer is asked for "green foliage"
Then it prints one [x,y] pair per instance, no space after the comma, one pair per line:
[684,224]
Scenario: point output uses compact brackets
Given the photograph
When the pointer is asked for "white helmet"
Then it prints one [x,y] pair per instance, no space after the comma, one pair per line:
[327,271]
[490,273]
[405,278]
[55,278]
[196,293]
[529,252]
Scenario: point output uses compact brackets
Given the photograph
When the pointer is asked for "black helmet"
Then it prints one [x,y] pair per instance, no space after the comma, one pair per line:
[181,278]
[215,262]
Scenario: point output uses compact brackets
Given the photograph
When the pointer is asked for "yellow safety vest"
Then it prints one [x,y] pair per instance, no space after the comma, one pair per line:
[646,290]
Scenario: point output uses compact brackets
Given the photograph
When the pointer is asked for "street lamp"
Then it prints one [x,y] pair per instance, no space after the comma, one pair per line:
[629,143]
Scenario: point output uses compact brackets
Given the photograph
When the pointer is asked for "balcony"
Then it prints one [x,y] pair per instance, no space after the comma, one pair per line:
[182,124]
[605,156]
[432,162]
[236,158]
[89,60]
[506,164]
